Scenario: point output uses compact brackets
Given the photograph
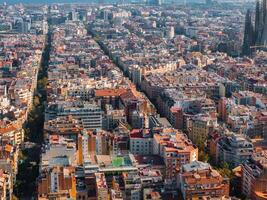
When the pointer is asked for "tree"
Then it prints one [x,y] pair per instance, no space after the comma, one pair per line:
[36,101]
[14,197]
[42,82]
[203,156]
[225,171]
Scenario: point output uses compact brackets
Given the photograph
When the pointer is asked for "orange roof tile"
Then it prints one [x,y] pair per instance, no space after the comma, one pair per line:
[7,129]
[109,92]
[8,148]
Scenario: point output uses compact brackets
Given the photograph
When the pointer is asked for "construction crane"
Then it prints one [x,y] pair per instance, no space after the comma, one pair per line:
[258,46]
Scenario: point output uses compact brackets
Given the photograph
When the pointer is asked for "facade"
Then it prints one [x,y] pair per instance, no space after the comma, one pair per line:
[254,176]
[201,127]
[86,148]
[222,109]
[249,39]
[233,149]
[113,118]
[57,182]
[6,185]
[101,187]
[89,116]
[176,117]
[132,184]
[91,144]
[176,150]
[261,23]
[102,143]
[141,142]
[13,133]
[115,192]
[151,178]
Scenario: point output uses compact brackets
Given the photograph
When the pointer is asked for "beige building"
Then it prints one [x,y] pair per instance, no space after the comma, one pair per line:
[101,187]
[176,150]
[6,185]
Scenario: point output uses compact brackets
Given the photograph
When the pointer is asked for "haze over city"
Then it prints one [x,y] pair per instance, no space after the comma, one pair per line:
[133,100]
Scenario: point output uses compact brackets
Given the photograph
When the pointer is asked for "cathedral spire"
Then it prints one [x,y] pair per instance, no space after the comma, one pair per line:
[264,32]
[256,37]
[248,35]
[263,29]
[257,22]
[264,8]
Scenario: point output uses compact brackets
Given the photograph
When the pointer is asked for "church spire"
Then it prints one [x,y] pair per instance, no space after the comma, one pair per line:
[257,22]
[263,33]
[248,35]
[264,8]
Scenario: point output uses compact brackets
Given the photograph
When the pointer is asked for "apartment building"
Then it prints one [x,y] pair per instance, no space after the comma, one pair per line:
[198,179]
[57,183]
[132,185]
[141,142]
[233,149]
[90,116]
[6,185]
[176,150]
[202,125]
[101,187]
[254,176]
[13,132]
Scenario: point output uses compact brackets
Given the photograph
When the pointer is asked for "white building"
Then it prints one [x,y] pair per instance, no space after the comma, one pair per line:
[141,142]
[234,149]
[89,115]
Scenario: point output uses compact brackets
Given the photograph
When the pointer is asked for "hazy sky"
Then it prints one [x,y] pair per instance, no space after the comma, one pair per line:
[90,1]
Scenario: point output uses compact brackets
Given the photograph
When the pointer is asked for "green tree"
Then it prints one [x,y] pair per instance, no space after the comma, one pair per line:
[203,156]
[14,197]
[36,101]
[225,171]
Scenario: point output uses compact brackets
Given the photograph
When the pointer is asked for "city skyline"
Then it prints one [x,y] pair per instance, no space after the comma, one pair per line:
[133,101]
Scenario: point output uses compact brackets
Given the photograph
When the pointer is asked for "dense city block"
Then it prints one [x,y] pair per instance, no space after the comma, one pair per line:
[148,100]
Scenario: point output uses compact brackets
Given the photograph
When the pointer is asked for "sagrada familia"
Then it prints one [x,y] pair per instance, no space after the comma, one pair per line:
[255,35]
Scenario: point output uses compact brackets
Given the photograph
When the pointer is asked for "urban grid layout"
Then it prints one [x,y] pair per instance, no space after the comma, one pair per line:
[133,100]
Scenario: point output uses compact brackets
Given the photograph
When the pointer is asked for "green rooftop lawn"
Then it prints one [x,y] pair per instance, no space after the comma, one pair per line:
[117,161]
